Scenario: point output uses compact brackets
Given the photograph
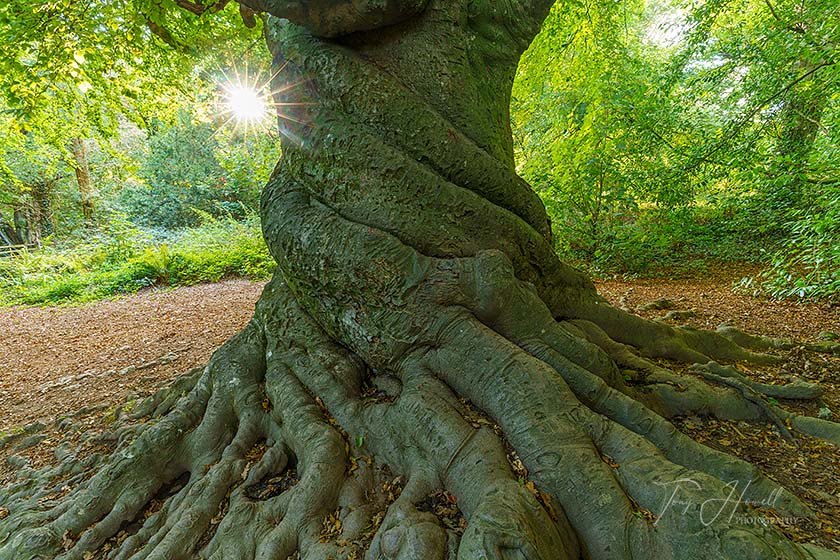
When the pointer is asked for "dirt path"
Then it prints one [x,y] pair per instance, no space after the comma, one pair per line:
[712,300]
[56,360]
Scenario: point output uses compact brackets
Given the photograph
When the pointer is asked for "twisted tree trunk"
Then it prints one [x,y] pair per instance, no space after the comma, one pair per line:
[423,378]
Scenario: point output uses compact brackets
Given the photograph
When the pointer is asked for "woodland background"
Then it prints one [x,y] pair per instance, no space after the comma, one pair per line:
[665,137]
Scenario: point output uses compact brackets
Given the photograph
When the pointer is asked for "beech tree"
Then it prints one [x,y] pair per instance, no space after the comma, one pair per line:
[420,337]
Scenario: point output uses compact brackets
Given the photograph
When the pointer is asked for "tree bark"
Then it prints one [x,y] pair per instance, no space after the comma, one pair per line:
[8,234]
[41,222]
[83,179]
[423,378]
[22,225]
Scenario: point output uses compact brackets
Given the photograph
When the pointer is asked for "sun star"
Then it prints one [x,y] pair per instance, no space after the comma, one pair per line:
[246,104]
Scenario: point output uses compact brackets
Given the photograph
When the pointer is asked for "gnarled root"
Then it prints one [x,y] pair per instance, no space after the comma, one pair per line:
[250,464]
[270,453]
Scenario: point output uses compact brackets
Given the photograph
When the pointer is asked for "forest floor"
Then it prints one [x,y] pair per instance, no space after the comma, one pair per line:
[90,360]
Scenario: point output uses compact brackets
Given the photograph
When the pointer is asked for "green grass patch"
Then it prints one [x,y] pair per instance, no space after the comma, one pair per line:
[125,260]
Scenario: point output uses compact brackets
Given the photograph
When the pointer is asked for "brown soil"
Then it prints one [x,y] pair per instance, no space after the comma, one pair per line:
[56,360]
[714,302]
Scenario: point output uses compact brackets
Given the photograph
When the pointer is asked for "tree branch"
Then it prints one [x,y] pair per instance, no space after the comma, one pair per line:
[163,34]
[762,104]
[200,9]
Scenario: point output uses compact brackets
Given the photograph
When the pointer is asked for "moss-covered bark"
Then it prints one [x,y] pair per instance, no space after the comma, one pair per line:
[423,379]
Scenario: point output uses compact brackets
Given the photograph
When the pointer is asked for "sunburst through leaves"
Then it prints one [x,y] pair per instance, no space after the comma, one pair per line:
[246,104]
[251,103]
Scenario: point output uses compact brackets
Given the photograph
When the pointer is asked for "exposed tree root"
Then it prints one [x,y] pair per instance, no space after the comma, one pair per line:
[766,343]
[621,481]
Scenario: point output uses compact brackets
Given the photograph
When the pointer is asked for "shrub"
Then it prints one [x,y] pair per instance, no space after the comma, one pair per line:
[128,260]
[808,265]
[190,166]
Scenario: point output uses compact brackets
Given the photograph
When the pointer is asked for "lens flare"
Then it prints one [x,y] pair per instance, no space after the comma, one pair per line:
[245,104]
[255,104]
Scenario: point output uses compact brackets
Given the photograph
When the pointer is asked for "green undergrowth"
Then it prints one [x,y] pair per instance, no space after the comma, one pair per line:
[664,245]
[122,260]
[795,259]
[808,265]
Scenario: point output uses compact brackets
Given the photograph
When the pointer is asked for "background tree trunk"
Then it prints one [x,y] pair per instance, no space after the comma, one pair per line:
[799,125]
[8,234]
[800,116]
[83,179]
[40,218]
[22,225]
